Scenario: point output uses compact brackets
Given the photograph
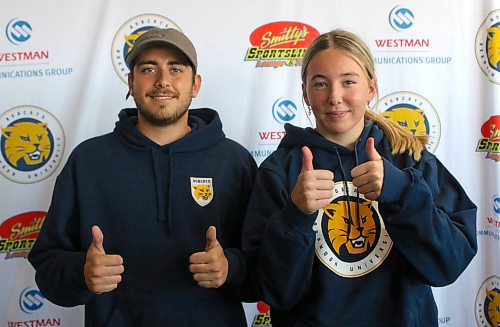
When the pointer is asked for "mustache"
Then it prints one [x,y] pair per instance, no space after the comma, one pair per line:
[163,93]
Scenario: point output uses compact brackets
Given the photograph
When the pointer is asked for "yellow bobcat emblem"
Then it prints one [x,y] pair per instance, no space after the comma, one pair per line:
[493,310]
[493,34]
[412,120]
[357,236]
[202,190]
[27,142]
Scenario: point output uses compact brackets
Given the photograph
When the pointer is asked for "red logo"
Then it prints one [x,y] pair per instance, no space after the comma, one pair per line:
[271,135]
[280,44]
[490,142]
[19,233]
[491,129]
[263,318]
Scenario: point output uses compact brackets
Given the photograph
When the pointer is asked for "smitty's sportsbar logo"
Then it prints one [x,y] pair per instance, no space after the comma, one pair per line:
[263,318]
[490,142]
[280,44]
[19,233]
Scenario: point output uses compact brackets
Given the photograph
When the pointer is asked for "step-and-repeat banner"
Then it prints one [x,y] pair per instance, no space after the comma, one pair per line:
[63,80]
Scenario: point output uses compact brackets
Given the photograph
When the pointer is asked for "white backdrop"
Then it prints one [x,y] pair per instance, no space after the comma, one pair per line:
[62,71]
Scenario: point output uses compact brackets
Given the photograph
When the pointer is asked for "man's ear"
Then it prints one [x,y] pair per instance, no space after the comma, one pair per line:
[196,86]
[130,79]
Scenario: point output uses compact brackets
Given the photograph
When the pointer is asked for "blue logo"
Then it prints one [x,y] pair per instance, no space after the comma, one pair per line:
[401,18]
[18,31]
[284,111]
[496,204]
[30,300]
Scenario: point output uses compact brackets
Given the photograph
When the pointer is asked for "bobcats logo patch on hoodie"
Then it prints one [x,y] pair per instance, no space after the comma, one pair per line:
[351,239]
[202,190]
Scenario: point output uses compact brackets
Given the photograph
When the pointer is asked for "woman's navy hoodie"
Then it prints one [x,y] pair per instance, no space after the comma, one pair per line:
[140,195]
[357,262]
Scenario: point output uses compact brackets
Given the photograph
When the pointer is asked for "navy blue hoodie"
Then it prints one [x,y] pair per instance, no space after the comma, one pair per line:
[140,195]
[357,262]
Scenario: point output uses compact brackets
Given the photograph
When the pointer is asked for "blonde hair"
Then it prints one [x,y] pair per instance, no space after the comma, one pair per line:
[400,140]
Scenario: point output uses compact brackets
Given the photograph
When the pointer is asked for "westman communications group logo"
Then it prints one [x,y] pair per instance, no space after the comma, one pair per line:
[19,59]
[414,113]
[31,145]
[280,44]
[488,46]
[18,31]
[128,33]
[401,18]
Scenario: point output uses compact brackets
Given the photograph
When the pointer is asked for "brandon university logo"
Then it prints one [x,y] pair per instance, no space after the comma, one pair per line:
[351,239]
[488,303]
[414,113]
[31,145]
[488,46]
[128,33]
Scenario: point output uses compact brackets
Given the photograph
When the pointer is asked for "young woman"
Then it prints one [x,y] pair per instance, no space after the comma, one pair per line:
[352,222]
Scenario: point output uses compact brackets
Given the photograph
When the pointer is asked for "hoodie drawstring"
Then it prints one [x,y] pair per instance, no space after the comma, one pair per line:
[344,178]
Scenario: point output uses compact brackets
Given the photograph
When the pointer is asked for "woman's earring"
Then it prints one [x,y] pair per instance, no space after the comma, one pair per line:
[309,110]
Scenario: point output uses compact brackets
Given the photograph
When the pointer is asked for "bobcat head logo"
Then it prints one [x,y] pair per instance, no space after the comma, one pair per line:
[412,120]
[351,239]
[27,143]
[202,190]
[493,34]
[349,228]
[493,307]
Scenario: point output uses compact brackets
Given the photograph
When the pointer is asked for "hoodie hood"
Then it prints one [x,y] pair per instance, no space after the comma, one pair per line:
[298,137]
[206,130]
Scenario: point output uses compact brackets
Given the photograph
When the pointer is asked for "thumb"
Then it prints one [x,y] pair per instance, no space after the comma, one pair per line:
[97,239]
[371,151]
[211,238]
[307,159]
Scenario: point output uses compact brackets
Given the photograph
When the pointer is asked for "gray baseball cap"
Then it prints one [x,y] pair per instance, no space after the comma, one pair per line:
[169,37]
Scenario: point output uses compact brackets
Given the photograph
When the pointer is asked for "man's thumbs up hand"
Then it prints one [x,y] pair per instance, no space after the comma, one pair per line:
[102,272]
[209,267]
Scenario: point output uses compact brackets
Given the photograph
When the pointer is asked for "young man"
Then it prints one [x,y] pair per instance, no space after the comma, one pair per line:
[144,225]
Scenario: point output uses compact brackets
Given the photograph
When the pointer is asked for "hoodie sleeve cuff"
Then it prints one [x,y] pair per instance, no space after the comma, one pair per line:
[295,221]
[396,183]
[236,266]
